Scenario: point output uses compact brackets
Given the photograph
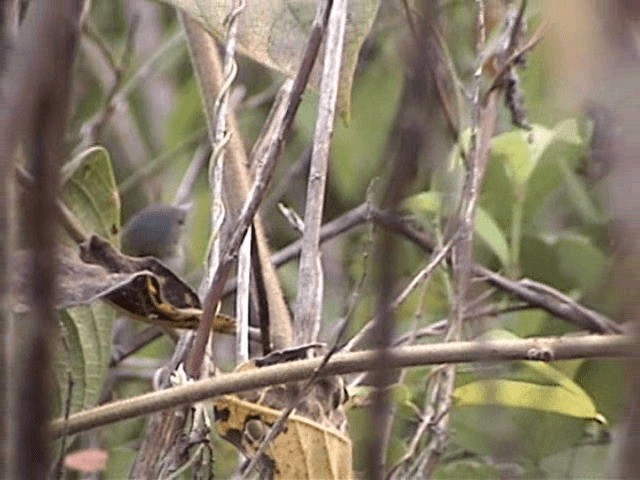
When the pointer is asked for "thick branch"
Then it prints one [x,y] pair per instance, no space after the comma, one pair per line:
[540,349]
[33,109]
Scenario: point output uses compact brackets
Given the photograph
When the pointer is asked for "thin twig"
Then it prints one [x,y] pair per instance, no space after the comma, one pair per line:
[549,299]
[141,340]
[437,257]
[91,131]
[242,299]
[443,382]
[219,135]
[293,173]
[199,159]
[151,65]
[531,43]
[153,166]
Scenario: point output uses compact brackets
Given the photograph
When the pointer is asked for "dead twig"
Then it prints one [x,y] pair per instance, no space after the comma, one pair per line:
[308,306]
[483,120]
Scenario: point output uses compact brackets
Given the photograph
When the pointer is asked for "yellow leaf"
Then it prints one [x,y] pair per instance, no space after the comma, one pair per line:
[303,450]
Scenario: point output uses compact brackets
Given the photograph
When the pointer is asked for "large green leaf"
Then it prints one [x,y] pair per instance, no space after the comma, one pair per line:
[513,394]
[514,150]
[90,193]
[532,400]
[88,330]
[275,33]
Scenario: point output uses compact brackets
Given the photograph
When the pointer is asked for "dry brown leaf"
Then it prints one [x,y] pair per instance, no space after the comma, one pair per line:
[314,442]
[141,287]
[275,33]
[304,450]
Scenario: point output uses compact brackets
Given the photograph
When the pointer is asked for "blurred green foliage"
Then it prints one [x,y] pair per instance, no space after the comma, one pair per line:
[539,217]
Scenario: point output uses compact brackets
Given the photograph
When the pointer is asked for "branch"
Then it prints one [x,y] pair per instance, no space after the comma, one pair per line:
[310,275]
[208,70]
[34,106]
[266,167]
[535,349]
[483,122]
[548,299]
[217,120]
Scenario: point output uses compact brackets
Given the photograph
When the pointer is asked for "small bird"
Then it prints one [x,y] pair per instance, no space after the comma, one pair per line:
[156,231]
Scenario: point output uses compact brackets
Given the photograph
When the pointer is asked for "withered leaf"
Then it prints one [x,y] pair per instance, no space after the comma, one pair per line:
[274,33]
[141,287]
[315,441]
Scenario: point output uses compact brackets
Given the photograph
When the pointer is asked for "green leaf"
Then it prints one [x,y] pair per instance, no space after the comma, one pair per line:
[490,233]
[513,394]
[90,193]
[513,149]
[524,400]
[88,331]
[565,144]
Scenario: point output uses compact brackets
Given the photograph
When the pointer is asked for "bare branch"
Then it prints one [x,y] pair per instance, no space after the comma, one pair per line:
[483,119]
[537,349]
[547,299]
[265,170]
[34,109]
[310,276]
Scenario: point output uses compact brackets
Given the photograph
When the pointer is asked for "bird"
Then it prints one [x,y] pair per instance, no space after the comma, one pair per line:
[156,231]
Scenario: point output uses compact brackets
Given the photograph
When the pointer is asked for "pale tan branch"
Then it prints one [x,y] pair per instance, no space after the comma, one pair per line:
[539,349]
